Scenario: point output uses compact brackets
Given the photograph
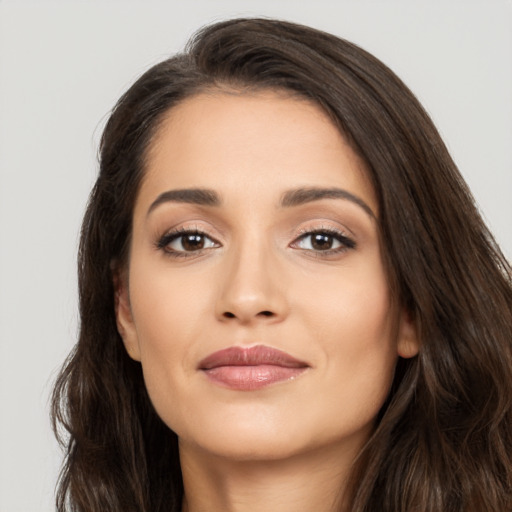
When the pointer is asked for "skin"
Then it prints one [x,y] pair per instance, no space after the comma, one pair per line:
[259,280]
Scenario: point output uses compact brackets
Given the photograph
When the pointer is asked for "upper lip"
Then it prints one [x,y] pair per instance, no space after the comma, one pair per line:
[250,356]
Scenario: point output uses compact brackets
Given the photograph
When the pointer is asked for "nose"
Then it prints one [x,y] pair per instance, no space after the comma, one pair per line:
[252,289]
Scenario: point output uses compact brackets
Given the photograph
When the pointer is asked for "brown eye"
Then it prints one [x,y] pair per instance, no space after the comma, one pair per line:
[323,241]
[184,241]
[192,242]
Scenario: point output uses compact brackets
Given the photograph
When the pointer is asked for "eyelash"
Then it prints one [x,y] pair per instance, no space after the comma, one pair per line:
[346,242]
[170,237]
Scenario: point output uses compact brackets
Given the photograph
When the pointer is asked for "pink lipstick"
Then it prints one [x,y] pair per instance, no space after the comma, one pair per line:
[251,368]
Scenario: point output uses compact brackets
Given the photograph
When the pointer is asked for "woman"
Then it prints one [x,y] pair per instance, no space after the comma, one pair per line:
[288,299]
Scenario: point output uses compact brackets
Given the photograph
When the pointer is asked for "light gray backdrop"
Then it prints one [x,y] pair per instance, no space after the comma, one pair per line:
[63,65]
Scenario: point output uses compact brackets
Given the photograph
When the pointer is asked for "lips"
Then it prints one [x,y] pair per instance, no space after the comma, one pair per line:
[251,368]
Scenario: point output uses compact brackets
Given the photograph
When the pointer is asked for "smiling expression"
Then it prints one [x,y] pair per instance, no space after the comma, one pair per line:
[255,242]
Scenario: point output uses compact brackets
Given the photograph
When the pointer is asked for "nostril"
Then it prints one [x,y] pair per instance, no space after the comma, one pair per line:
[228,314]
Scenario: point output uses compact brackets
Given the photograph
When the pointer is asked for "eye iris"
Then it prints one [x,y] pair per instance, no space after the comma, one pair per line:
[321,241]
[192,242]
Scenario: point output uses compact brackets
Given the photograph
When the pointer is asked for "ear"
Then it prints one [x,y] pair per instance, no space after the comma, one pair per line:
[124,317]
[408,342]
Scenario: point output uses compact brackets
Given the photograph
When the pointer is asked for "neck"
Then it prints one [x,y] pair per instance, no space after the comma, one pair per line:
[312,481]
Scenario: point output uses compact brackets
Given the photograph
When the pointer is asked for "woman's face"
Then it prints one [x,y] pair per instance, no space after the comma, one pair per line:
[256,297]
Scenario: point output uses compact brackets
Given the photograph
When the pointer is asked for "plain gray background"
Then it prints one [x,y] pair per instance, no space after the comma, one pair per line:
[62,67]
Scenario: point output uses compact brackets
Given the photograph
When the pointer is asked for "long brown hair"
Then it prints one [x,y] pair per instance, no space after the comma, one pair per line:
[444,437]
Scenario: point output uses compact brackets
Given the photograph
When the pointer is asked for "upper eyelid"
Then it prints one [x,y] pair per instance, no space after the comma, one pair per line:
[194,226]
[221,234]
[325,227]
[320,229]
[295,234]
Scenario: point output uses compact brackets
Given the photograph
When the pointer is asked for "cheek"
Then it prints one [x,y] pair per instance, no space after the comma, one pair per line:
[352,321]
[351,307]
[166,309]
[166,306]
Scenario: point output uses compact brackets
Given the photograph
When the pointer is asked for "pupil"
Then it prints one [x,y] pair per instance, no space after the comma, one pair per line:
[192,242]
[321,242]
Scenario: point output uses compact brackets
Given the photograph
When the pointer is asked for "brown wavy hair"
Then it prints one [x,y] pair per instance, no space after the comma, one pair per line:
[443,441]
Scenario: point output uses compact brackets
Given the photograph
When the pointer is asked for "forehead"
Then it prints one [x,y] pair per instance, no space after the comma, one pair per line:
[264,142]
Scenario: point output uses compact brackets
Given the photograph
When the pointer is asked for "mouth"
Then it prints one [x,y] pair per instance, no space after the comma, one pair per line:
[251,368]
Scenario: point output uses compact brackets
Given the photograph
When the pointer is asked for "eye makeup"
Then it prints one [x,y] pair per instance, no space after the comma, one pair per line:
[187,242]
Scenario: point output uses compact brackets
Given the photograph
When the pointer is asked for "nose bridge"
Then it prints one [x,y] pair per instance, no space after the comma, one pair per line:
[251,285]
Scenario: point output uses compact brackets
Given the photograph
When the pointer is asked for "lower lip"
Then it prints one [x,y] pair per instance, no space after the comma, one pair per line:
[250,378]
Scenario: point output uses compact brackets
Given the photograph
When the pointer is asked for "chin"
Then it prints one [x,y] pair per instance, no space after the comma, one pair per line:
[248,446]
[248,437]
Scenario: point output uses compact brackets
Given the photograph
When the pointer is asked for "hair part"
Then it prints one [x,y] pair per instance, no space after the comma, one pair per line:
[444,437]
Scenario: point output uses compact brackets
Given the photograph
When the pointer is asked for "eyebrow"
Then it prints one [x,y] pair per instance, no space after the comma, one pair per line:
[291,198]
[200,196]
[301,196]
